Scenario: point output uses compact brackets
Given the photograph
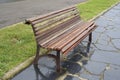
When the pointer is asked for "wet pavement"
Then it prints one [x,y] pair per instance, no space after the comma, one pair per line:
[101,64]
[14,11]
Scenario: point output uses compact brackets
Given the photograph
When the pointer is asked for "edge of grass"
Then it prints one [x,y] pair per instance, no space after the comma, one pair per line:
[94,7]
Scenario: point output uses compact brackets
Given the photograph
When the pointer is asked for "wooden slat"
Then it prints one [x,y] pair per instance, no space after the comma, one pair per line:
[51,31]
[52,22]
[70,37]
[76,41]
[30,20]
[55,39]
[76,34]
[73,11]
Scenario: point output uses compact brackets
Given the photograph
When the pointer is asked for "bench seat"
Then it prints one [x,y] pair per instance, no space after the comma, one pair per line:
[65,39]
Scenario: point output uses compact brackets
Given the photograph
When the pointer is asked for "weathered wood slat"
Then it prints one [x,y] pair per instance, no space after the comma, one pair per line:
[57,28]
[70,37]
[30,20]
[61,36]
[51,23]
[73,12]
[76,34]
[76,41]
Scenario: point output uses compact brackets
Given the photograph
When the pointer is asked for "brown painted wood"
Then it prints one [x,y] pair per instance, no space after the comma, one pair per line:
[71,36]
[56,29]
[30,20]
[72,12]
[50,23]
[76,41]
[56,39]
[67,33]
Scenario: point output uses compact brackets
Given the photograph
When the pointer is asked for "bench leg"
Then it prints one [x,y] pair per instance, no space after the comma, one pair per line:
[58,61]
[56,57]
[89,43]
[37,56]
[36,72]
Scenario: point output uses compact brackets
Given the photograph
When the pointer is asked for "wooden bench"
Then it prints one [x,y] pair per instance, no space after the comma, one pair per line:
[60,31]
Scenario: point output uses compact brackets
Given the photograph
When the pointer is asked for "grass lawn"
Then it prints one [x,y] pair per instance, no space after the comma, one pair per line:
[17,41]
[93,7]
[16,45]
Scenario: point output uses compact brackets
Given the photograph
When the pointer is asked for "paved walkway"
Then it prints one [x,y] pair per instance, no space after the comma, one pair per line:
[102,64]
[14,11]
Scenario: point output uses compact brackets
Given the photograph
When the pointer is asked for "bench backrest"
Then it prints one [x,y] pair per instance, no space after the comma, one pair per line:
[45,25]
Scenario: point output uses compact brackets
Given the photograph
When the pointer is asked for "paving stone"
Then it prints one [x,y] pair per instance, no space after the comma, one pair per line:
[104,42]
[113,73]
[108,47]
[70,54]
[75,58]
[117,7]
[116,43]
[116,21]
[103,39]
[71,67]
[107,57]
[68,77]
[74,52]
[111,14]
[101,22]
[115,11]
[96,36]
[47,69]
[89,76]
[46,61]
[100,29]
[113,34]
[27,74]
[95,67]
[81,71]
[117,27]
[84,61]
[110,27]
[81,49]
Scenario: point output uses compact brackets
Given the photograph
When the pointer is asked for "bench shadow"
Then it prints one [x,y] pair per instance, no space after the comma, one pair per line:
[70,65]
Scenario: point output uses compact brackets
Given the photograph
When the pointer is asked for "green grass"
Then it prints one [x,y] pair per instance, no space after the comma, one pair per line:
[16,45]
[17,41]
[93,7]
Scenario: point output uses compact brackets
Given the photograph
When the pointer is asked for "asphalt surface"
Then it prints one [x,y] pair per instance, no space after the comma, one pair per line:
[14,11]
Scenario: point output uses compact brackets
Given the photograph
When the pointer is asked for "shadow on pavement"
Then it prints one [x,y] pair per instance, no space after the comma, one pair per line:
[47,70]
